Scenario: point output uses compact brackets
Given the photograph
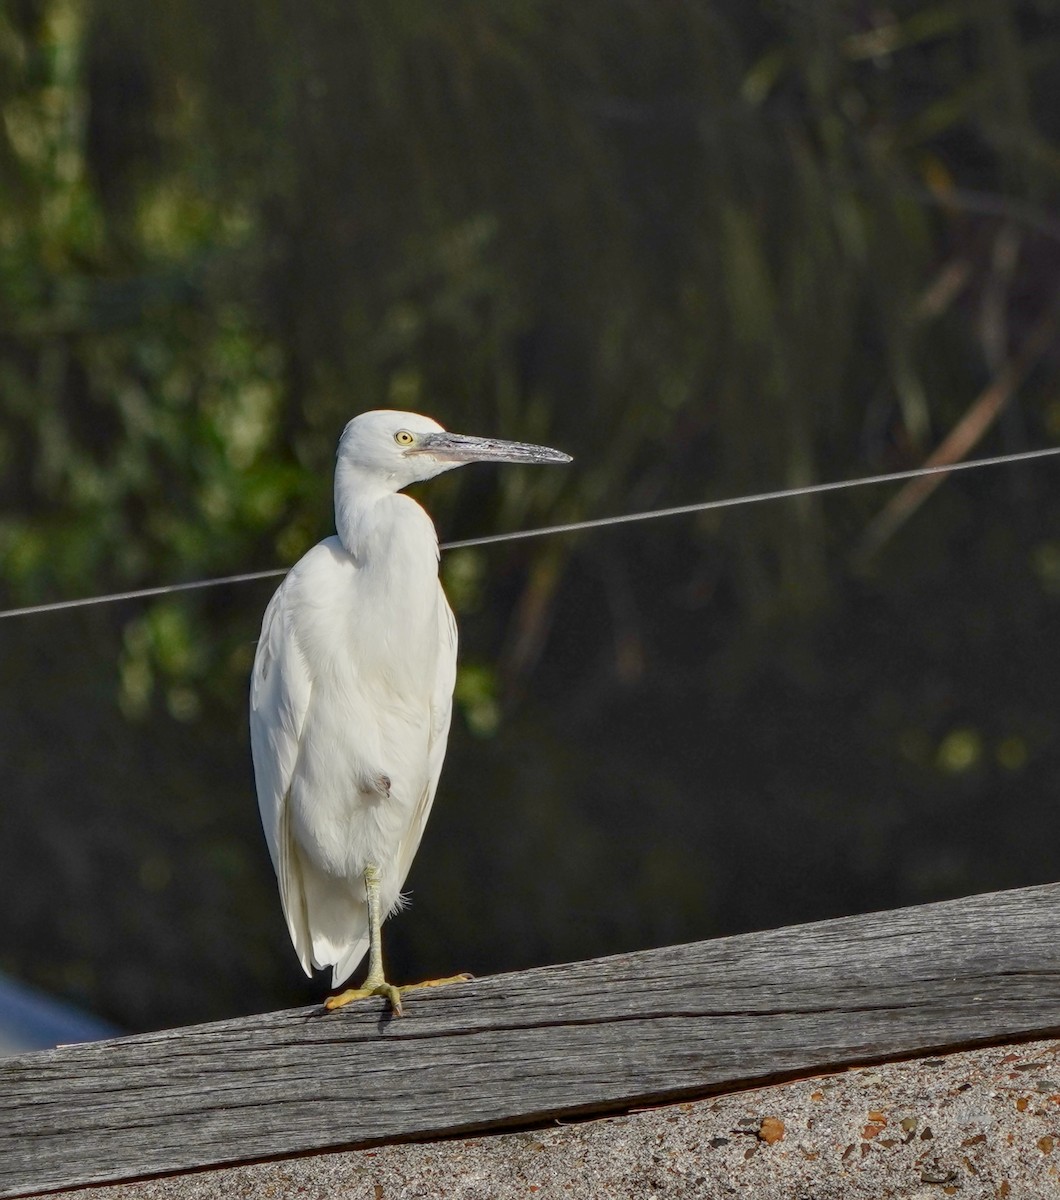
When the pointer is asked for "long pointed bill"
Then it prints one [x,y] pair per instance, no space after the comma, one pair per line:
[459,448]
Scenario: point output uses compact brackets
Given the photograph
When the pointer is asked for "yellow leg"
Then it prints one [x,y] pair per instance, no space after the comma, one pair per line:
[375,983]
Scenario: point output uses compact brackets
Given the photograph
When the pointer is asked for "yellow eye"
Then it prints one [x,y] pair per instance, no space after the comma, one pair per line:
[403,437]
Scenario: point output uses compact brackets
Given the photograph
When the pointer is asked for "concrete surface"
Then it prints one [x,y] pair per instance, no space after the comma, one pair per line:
[982,1123]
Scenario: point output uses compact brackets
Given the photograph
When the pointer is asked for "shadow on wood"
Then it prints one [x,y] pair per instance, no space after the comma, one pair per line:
[512,1049]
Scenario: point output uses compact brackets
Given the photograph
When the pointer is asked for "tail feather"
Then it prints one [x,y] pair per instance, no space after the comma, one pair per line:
[336,922]
[347,964]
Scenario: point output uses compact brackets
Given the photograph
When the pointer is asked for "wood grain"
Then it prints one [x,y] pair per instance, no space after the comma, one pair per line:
[661,1024]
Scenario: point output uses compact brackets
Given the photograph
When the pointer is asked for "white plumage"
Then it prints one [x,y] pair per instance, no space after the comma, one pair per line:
[351,692]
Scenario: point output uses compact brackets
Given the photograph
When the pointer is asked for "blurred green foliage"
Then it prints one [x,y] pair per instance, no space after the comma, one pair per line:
[709,248]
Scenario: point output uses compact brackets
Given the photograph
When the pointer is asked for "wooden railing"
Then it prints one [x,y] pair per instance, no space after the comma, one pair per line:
[510,1050]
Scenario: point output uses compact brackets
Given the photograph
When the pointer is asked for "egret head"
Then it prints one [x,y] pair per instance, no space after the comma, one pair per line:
[399,448]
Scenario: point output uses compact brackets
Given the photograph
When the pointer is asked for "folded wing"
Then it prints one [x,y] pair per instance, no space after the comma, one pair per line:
[280,687]
[441,713]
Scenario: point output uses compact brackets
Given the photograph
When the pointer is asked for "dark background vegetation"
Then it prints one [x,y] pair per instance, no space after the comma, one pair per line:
[708,248]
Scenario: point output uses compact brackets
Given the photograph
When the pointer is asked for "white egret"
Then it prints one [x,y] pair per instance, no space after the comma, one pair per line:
[351,695]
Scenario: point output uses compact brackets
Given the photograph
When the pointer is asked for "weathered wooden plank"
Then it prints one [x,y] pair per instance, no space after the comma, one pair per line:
[980,1123]
[659,1024]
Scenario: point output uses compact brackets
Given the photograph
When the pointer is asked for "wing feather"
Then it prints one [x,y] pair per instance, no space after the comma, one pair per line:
[280,688]
[441,714]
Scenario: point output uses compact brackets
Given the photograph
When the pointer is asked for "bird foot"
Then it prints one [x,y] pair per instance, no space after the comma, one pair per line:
[463,977]
[389,991]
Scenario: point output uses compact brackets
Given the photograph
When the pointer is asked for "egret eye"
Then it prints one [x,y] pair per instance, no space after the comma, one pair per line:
[403,437]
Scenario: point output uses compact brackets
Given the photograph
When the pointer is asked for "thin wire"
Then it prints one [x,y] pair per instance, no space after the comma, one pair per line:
[811,489]
[756,498]
[165,589]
